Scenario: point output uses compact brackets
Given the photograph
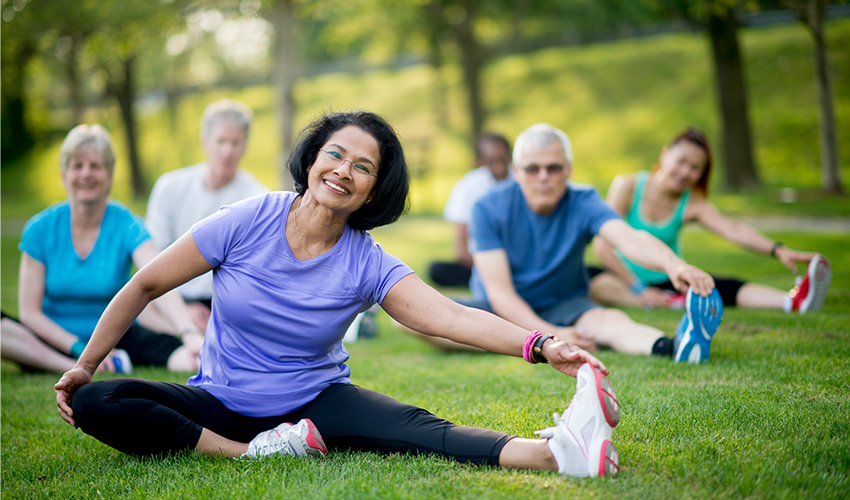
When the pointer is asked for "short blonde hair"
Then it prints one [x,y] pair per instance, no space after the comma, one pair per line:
[226,111]
[88,136]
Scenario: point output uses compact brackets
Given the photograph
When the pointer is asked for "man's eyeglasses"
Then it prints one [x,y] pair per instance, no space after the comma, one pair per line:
[335,157]
[534,170]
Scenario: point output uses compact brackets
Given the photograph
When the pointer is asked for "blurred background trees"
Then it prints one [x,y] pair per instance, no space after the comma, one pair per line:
[60,58]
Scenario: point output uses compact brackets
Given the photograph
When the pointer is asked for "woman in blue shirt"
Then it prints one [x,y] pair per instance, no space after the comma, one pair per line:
[75,256]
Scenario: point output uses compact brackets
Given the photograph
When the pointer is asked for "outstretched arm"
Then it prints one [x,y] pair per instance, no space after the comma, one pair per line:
[745,235]
[495,272]
[417,306]
[650,252]
[177,264]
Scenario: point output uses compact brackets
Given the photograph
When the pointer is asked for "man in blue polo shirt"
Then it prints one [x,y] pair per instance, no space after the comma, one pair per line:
[529,242]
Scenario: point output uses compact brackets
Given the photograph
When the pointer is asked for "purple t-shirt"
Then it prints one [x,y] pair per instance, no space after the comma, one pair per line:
[274,340]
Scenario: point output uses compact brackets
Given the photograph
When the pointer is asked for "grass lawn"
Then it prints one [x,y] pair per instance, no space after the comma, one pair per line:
[766,417]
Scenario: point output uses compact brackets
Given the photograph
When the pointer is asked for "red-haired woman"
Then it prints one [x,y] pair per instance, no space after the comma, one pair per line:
[661,202]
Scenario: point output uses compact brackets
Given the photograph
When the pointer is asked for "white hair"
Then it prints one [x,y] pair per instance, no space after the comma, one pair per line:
[87,136]
[226,111]
[542,134]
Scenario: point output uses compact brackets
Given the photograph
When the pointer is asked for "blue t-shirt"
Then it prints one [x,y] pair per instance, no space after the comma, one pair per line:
[274,340]
[545,252]
[76,291]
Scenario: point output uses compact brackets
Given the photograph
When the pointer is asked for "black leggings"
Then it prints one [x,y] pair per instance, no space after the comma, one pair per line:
[167,418]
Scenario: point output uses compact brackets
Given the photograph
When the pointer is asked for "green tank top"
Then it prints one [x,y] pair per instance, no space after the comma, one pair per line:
[667,231]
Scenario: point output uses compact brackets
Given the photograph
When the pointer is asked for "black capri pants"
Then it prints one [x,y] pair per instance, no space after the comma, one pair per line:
[168,418]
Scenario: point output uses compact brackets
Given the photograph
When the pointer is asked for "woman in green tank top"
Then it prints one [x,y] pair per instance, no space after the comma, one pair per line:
[661,202]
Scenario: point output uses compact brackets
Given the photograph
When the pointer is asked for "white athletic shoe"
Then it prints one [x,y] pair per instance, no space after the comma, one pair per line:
[581,437]
[300,440]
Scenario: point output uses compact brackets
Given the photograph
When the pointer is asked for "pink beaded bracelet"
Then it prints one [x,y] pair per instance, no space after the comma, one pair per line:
[529,342]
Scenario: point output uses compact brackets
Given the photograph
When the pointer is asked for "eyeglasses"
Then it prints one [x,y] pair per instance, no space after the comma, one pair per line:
[335,157]
[534,170]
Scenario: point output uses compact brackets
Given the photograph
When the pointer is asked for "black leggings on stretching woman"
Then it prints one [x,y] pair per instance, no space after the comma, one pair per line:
[142,417]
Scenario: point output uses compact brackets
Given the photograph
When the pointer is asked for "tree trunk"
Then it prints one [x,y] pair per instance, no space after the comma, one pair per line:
[740,169]
[472,60]
[124,92]
[286,74]
[16,137]
[813,17]
[434,11]
[72,75]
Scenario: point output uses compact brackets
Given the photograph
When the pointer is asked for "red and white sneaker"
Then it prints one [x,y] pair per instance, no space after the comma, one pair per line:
[581,437]
[300,440]
[809,292]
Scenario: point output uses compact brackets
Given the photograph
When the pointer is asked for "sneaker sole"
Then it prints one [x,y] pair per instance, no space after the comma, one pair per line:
[609,460]
[820,275]
[606,461]
[607,398]
[315,444]
[704,315]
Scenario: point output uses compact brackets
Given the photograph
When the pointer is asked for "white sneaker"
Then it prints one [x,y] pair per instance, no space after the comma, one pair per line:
[300,440]
[581,437]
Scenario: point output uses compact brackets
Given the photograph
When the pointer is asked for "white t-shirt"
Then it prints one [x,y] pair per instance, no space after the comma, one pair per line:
[179,199]
[467,191]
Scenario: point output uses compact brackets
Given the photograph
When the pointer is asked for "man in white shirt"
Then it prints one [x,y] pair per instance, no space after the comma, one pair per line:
[184,196]
[493,155]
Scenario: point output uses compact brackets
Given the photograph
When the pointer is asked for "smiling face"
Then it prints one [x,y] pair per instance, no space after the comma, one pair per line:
[681,165]
[542,173]
[345,171]
[86,177]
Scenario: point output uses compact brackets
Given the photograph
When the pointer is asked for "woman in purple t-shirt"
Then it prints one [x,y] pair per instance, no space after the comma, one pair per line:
[291,271]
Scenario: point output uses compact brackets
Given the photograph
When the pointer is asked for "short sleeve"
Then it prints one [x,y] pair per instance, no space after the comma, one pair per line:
[218,233]
[34,237]
[389,271]
[484,232]
[598,211]
[137,233]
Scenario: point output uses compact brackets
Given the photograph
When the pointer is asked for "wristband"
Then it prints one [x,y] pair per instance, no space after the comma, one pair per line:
[776,246]
[529,343]
[638,287]
[77,348]
[537,349]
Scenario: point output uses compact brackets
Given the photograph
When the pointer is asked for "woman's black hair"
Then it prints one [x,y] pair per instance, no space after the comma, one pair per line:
[390,195]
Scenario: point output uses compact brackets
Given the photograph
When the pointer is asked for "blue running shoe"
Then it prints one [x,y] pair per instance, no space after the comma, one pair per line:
[697,327]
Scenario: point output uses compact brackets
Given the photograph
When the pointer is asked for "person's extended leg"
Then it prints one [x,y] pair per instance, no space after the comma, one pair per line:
[615,329]
[754,295]
[19,344]
[609,289]
[375,422]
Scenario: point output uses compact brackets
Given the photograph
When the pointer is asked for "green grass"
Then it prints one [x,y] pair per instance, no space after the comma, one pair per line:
[766,417]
